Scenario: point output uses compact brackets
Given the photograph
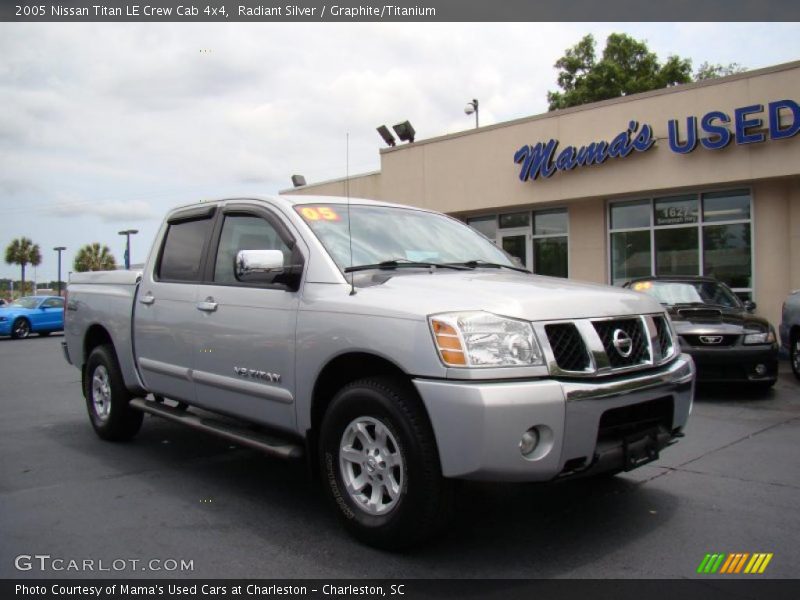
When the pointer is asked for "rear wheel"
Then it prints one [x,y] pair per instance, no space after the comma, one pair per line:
[381,466]
[794,354]
[20,329]
[107,398]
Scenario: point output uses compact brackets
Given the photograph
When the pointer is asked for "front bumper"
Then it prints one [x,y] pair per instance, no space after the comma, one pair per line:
[735,363]
[478,426]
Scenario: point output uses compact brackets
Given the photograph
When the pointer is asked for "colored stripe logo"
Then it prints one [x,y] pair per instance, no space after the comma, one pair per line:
[735,563]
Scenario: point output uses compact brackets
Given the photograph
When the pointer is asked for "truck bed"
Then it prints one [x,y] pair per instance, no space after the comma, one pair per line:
[102,299]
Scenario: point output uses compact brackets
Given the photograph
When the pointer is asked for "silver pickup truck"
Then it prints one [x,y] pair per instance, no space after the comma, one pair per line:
[395,348]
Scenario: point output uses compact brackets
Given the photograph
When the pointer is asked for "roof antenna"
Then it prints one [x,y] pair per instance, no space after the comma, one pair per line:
[347,193]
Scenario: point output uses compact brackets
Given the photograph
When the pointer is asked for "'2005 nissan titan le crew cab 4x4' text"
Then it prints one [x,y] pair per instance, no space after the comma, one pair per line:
[395,348]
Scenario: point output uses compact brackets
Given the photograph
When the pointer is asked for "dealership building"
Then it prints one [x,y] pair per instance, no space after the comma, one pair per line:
[697,179]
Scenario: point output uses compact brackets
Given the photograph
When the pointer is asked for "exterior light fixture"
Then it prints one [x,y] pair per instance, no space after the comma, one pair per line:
[404,131]
[298,180]
[59,249]
[387,135]
[472,107]
[128,233]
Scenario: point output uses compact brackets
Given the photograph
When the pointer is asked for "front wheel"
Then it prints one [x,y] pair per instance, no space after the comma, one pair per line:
[794,354]
[381,465]
[20,329]
[107,398]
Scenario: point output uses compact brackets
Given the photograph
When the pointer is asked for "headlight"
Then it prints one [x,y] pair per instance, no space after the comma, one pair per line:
[766,337]
[482,339]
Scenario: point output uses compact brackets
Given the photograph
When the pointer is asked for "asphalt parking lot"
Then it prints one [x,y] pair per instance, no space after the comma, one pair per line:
[732,485]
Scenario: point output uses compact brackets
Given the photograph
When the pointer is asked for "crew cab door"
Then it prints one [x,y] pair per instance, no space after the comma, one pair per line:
[245,358]
[165,307]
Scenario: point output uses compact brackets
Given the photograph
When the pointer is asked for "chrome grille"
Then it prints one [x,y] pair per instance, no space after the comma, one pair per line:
[664,336]
[568,347]
[585,347]
[633,329]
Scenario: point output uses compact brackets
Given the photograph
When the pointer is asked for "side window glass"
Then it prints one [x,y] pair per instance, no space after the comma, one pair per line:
[245,232]
[183,250]
[53,303]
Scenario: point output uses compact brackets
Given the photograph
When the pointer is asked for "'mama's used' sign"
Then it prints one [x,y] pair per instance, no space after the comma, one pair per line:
[545,158]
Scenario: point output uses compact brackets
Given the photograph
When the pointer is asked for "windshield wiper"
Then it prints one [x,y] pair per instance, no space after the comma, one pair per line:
[401,263]
[474,264]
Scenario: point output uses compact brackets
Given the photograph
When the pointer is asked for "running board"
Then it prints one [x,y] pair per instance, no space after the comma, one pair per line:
[273,446]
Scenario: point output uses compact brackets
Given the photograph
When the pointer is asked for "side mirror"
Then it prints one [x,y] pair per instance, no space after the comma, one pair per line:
[749,305]
[258,265]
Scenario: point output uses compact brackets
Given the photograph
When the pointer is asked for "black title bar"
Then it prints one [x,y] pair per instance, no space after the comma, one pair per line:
[711,588]
[159,11]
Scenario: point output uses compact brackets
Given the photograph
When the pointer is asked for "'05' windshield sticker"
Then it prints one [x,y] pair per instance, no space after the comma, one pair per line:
[318,213]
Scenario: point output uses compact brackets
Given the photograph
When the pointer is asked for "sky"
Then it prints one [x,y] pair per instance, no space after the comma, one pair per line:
[105,126]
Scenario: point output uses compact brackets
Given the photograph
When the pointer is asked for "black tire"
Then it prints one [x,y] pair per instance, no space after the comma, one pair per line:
[424,502]
[794,354]
[107,398]
[44,333]
[20,329]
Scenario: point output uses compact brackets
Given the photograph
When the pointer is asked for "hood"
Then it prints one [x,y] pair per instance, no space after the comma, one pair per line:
[715,318]
[519,295]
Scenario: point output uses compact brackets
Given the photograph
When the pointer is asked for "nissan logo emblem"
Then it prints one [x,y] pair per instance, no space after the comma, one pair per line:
[623,343]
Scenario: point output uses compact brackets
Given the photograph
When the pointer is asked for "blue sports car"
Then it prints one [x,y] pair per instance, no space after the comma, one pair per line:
[32,314]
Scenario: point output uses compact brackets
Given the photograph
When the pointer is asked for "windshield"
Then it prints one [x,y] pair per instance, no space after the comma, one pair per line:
[27,302]
[382,234]
[689,292]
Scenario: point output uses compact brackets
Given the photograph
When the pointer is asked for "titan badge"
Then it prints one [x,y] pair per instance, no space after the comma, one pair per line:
[256,374]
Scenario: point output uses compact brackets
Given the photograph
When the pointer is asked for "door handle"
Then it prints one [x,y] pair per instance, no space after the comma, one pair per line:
[147,299]
[207,305]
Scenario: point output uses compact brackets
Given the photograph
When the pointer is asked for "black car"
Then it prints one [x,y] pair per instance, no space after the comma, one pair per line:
[726,340]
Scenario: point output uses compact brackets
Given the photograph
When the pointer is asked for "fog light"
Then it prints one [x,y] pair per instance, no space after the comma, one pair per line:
[761,370]
[528,443]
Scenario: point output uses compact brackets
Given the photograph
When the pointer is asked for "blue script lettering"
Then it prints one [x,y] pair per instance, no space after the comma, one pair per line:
[541,160]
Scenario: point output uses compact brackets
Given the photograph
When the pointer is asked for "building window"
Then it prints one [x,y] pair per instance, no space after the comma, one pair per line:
[550,242]
[539,239]
[487,225]
[691,234]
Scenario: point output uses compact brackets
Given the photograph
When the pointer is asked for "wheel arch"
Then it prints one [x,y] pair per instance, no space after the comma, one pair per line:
[344,369]
[96,335]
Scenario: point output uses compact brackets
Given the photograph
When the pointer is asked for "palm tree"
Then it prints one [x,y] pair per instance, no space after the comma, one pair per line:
[22,251]
[94,257]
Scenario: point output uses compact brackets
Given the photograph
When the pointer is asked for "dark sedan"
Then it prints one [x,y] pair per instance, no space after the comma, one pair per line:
[727,341]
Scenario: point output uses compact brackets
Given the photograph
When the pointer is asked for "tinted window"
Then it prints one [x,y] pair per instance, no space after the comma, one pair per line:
[630,255]
[550,222]
[629,215]
[726,206]
[550,256]
[676,210]
[486,225]
[183,250]
[244,232]
[726,254]
[676,251]
[53,303]
[510,220]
